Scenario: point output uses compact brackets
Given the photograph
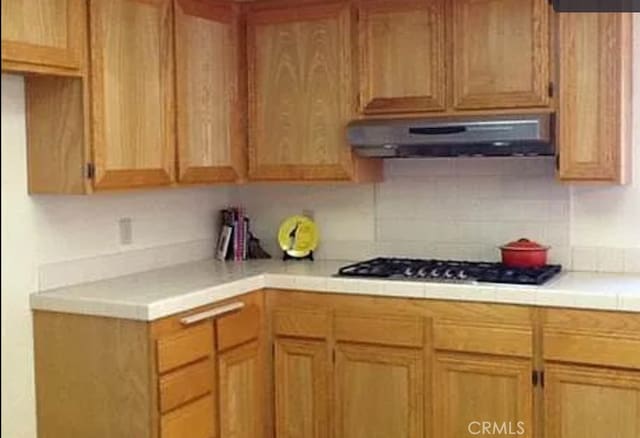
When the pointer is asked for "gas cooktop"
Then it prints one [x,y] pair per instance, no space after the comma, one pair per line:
[448,271]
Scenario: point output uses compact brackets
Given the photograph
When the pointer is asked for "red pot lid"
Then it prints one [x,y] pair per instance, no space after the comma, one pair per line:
[524,245]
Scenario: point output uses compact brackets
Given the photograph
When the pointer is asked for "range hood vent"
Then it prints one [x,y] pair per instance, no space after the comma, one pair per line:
[497,136]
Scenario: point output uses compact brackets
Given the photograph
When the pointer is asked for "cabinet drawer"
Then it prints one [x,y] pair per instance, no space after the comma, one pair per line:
[501,340]
[238,328]
[609,350]
[186,346]
[301,323]
[186,384]
[384,330]
[195,420]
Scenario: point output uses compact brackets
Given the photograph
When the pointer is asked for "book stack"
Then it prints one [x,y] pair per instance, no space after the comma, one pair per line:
[233,238]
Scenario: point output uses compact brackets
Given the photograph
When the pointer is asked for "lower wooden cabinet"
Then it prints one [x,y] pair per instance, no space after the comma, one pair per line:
[240,389]
[378,392]
[302,390]
[343,367]
[589,402]
[195,420]
[472,391]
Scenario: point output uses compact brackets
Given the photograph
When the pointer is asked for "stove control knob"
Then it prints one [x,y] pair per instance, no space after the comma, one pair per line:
[450,274]
[462,275]
[409,272]
[435,273]
[423,272]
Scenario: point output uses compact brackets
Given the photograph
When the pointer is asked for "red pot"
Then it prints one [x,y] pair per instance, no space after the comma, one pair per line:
[524,253]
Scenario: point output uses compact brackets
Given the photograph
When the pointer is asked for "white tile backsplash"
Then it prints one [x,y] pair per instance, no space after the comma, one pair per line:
[448,208]
[584,258]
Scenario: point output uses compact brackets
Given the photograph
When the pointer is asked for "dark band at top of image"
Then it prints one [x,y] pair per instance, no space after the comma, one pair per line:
[596,5]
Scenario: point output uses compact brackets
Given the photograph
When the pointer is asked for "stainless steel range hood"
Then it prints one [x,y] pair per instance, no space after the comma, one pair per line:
[512,135]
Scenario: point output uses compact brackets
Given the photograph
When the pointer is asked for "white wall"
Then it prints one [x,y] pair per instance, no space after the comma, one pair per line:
[49,241]
[19,270]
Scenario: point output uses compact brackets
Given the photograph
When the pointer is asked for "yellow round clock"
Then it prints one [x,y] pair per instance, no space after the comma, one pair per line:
[298,236]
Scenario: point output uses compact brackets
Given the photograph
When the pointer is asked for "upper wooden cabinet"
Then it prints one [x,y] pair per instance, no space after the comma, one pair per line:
[594,107]
[41,34]
[301,93]
[500,53]
[401,55]
[211,142]
[133,93]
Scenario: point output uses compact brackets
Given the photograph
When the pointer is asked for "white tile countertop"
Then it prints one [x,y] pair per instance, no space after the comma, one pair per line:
[154,294]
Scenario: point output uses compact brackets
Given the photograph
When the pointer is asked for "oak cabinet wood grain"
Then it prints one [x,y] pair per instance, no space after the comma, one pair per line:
[302,388]
[301,93]
[194,420]
[210,113]
[585,402]
[58,145]
[132,89]
[240,385]
[401,55]
[378,391]
[472,388]
[43,36]
[500,53]
[594,105]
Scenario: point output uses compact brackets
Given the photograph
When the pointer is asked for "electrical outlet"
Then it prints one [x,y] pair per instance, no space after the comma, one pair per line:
[126,231]
[308,213]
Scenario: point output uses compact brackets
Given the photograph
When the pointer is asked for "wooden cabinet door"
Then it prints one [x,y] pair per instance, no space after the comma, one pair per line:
[584,402]
[210,139]
[379,392]
[473,391]
[302,386]
[402,62]
[132,93]
[301,93]
[43,32]
[594,105]
[240,390]
[500,56]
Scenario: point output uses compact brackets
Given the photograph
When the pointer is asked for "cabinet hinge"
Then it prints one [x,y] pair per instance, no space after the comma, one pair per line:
[542,378]
[90,171]
[557,162]
[333,356]
[534,378]
[551,89]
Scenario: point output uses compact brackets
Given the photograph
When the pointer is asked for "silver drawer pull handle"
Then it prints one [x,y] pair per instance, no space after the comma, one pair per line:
[213,313]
